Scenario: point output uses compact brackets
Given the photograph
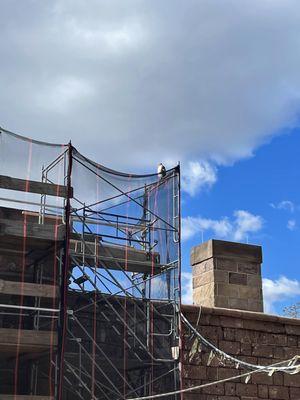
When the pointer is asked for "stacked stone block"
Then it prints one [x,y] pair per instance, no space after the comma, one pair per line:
[253,337]
[227,274]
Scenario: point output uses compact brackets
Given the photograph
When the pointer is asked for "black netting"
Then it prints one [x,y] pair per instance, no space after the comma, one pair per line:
[101,251]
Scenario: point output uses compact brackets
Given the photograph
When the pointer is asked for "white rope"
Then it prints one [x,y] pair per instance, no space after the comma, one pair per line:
[158,396]
[290,368]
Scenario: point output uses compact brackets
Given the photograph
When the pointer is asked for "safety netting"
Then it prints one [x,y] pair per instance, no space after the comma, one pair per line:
[90,258]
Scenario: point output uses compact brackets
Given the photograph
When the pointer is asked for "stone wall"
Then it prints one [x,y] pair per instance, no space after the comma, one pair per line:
[254,337]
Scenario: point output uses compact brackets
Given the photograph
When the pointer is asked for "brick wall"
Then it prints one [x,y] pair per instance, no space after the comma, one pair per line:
[253,337]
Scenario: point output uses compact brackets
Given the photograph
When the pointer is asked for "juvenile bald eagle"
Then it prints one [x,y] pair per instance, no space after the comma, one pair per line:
[161,170]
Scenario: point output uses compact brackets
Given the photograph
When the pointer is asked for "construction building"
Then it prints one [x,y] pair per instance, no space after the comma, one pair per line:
[91,296]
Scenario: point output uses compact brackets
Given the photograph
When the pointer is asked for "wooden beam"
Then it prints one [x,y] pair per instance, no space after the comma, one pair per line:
[23,185]
[16,228]
[24,341]
[24,397]
[28,289]
[116,257]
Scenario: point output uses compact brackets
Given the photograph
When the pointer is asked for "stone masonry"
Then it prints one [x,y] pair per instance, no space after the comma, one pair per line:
[228,275]
[250,336]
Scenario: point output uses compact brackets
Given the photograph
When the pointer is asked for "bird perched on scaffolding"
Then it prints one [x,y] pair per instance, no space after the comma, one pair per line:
[161,170]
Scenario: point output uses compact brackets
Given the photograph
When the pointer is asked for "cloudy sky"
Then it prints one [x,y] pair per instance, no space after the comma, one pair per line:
[212,83]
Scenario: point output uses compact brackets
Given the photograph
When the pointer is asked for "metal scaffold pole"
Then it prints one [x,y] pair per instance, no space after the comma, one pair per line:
[64,277]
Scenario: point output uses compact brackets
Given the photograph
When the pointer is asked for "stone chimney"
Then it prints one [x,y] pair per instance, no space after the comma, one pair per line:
[228,275]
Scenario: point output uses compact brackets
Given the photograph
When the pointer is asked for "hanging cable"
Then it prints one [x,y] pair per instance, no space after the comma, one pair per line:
[290,368]
[204,385]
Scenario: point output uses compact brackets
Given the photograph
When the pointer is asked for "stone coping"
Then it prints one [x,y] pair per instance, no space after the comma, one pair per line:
[226,312]
[224,249]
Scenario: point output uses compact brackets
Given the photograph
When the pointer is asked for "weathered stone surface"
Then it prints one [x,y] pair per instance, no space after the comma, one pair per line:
[230,388]
[195,372]
[278,392]
[203,279]
[293,330]
[254,280]
[202,267]
[231,322]
[241,333]
[229,334]
[226,264]
[204,295]
[221,301]
[233,348]
[238,303]
[249,268]
[243,389]
[295,393]
[226,289]
[215,389]
[221,276]
[248,292]
[263,391]
[233,269]
[257,306]
[201,253]
[237,278]
[224,249]
[292,380]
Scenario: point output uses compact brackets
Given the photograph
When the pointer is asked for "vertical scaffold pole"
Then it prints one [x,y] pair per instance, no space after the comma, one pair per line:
[179,285]
[62,323]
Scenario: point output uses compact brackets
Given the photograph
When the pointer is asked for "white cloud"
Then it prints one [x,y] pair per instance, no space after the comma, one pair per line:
[276,291]
[284,205]
[237,228]
[171,80]
[197,175]
[64,94]
[291,225]
[194,225]
[186,288]
[246,223]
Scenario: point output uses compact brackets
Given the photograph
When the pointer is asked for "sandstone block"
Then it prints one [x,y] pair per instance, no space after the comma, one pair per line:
[292,380]
[249,268]
[254,280]
[221,276]
[227,289]
[203,279]
[249,292]
[278,392]
[221,301]
[230,347]
[230,388]
[295,393]
[226,264]
[238,303]
[263,350]
[263,391]
[248,389]
[215,389]
[237,278]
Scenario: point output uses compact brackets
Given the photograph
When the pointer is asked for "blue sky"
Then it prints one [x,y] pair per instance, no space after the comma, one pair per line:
[266,185]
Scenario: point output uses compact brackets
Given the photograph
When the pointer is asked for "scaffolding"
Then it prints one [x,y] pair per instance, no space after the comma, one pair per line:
[89,276]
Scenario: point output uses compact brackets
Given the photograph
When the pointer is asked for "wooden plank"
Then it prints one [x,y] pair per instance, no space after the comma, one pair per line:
[116,257]
[15,228]
[23,341]
[23,185]
[24,397]
[28,289]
